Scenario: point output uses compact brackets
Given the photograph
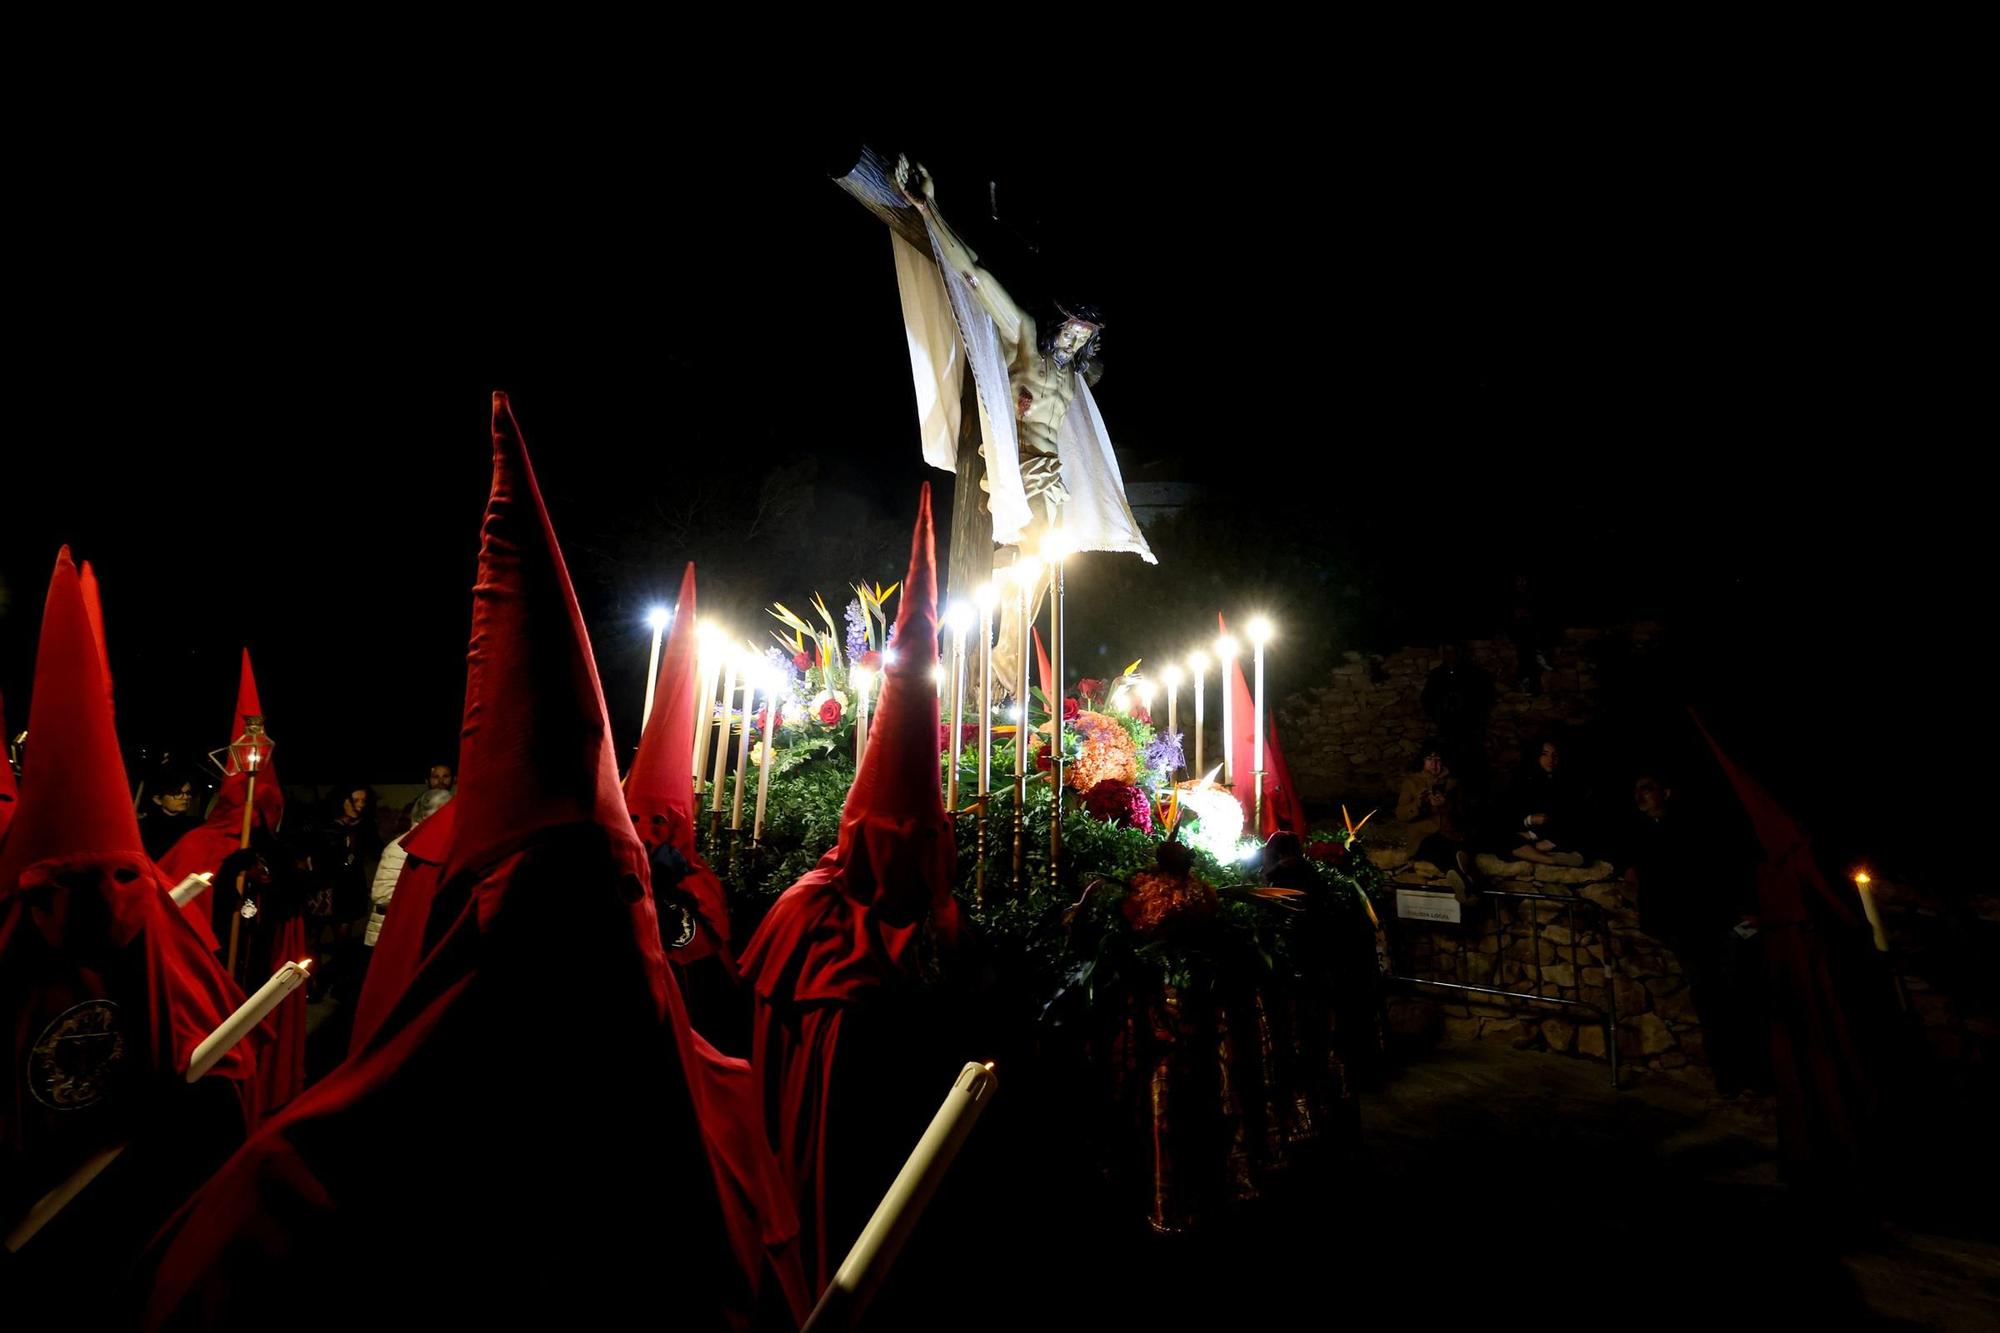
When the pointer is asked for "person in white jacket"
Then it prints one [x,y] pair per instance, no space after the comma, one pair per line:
[393,856]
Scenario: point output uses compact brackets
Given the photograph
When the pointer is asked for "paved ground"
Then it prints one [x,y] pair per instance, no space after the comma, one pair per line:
[1493,1189]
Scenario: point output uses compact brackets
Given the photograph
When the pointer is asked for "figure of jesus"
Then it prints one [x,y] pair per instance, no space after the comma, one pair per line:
[1044,369]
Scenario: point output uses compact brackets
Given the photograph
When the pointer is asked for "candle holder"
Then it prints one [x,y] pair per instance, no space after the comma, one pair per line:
[987,597]
[248,754]
[1055,549]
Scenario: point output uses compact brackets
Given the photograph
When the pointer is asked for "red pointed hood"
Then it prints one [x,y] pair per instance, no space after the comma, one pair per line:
[659,791]
[74,801]
[247,707]
[896,854]
[535,752]
[93,607]
[541,963]
[201,849]
[1789,862]
[1282,808]
[659,782]
[83,913]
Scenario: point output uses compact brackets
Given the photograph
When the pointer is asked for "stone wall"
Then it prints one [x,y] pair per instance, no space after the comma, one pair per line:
[1354,737]
[1593,953]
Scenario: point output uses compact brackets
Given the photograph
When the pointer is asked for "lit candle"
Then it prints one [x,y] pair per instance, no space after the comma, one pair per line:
[1171,674]
[247,1016]
[1198,665]
[1225,653]
[987,598]
[657,618]
[875,1250]
[862,679]
[722,744]
[752,667]
[764,769]
[708,638]
[1866,887]
[1260,634]
[1027,578]
[191,888]
[959,617]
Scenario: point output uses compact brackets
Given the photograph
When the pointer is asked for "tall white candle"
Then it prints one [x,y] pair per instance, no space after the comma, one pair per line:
[191,888]
[959,617]
[706,637]
[247,1016]
[722,741]
[764,769]
[862,679]
[657,618]
[1225,658]
[1198,664]
[986,597]
[750,671]
[875,1250]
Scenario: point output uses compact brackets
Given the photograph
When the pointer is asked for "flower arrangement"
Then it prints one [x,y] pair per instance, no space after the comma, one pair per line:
[1105,752]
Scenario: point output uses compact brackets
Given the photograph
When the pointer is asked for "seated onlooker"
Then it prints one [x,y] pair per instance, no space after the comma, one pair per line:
[1434,806]
[1413,807]
[1547,813]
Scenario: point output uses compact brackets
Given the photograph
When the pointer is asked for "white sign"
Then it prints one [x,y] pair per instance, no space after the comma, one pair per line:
[1423,905]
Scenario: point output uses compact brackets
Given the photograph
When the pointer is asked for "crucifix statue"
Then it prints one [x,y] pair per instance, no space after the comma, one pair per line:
[1003,398]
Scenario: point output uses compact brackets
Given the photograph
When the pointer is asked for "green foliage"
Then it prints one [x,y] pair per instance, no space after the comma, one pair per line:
[1064,940]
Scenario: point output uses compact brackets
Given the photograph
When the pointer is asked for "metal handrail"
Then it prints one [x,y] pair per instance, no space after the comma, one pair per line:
[1607,1012]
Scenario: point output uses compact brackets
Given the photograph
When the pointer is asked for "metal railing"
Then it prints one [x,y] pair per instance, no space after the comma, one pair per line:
[1607,1013]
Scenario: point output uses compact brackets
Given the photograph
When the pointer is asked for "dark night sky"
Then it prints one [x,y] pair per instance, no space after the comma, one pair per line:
[1692,368]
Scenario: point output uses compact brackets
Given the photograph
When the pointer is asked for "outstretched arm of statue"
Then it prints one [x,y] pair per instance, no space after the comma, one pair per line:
[921,191]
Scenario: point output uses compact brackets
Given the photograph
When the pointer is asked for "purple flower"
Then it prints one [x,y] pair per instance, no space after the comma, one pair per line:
[783,661]
[1164,753]
[857,629]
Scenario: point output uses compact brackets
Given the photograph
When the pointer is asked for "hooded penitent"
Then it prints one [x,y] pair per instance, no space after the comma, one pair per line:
[517,1139]
[104,991]
[660,793]
[867,917]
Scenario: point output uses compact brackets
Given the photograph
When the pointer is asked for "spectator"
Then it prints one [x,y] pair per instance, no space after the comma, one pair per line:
[391,865]
[1547,812]
[1432,804]
[167,810]
[1696,899]
[342,847]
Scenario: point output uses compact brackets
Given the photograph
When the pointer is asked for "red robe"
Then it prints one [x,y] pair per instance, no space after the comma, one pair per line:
[77,936]
[399,948]
[849,933]
[281,1060]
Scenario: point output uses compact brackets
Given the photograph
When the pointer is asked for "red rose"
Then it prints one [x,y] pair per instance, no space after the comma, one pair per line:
[1091,688]
[870,661]
[829,712]
[1070,709]
[1042,761]
[802,660]
[1140,713]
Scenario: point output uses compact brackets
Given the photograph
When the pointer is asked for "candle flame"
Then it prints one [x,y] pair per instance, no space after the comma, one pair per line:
[1861,877]
[989,1066]
[304,965]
